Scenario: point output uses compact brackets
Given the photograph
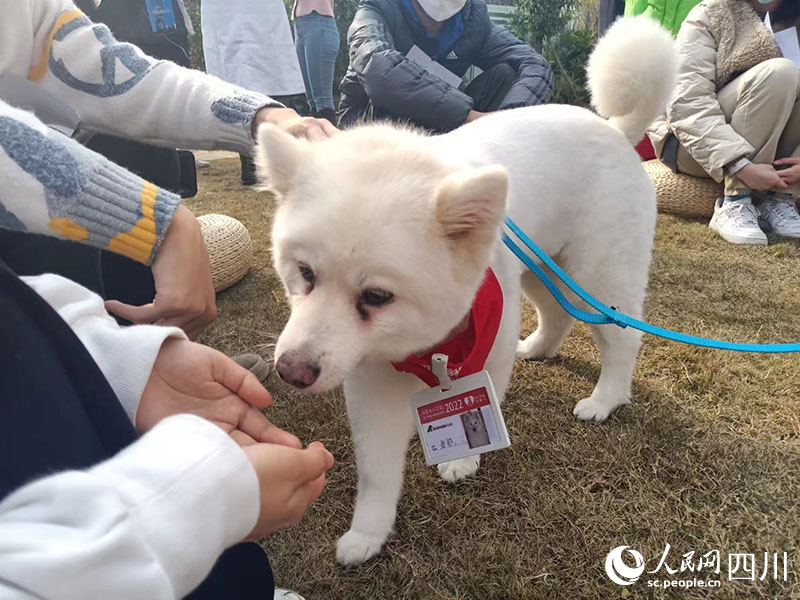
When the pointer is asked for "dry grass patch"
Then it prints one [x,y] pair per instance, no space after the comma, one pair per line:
[705,458]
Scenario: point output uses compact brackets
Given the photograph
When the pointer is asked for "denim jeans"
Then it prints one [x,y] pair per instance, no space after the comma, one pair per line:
[317,46]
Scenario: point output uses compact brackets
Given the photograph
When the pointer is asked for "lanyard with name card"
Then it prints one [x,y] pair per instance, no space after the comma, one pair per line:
[162,16]
[458,418]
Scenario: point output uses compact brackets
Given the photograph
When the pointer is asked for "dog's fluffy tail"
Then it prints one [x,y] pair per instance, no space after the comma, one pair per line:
[632,74]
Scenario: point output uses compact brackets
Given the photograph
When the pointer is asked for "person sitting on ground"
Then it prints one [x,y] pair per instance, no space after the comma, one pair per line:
[53,186]
[383,81]
[734,112]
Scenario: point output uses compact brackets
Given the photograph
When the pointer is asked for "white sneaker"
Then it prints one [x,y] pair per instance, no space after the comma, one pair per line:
[281,594]
[780,216]
[737,222]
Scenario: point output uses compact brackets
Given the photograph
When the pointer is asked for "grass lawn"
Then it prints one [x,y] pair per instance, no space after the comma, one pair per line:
[707,457]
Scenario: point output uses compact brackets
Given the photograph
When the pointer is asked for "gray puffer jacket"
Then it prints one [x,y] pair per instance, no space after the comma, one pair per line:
[379,73]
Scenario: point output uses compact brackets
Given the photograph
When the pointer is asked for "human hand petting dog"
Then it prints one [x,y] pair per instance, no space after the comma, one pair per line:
[302,127]
[790,175]
[182,274]
[192,378]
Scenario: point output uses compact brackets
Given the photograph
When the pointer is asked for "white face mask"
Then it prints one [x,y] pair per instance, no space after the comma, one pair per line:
[441,10]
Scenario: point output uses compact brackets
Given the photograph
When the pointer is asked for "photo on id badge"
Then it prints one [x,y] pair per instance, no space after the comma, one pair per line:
[475,428]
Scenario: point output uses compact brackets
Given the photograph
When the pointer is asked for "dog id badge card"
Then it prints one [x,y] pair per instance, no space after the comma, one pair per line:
[460,417]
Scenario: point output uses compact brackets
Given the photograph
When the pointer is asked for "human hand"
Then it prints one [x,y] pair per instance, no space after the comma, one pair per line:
[790,175]
[759,176]
[192,378]
[289,481]
[310,128]
[182,275]
[474,115]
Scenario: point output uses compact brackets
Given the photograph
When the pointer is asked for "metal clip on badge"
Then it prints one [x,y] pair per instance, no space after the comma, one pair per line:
[439,368]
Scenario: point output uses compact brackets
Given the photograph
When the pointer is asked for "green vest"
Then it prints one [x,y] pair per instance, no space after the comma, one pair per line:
[670,13]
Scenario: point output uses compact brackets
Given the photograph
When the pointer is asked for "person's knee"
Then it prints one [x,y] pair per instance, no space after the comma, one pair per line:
[503,73]
[780,76]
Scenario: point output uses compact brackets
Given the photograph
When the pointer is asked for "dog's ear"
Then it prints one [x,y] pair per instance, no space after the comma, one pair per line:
[278,154]
[470,206]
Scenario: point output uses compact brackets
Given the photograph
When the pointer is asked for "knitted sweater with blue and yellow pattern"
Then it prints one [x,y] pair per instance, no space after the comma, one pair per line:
[52,185]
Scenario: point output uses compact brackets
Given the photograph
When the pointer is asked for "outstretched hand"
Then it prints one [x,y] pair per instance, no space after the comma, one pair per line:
[192,378]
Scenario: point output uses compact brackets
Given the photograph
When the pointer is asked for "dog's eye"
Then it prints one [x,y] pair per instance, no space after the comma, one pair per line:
[307,273]
[376,297]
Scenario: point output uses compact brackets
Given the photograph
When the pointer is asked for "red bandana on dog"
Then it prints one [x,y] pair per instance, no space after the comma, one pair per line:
[467,351]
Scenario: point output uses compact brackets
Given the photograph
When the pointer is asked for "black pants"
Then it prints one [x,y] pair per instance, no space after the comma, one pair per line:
[490,88]
[58,412]
[487,90]
[111,276]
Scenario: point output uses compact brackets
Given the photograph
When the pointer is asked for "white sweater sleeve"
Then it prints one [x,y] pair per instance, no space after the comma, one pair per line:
[117,89]
[148,523]
[125,355]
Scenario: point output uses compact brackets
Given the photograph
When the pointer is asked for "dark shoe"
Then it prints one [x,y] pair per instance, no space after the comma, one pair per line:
[248,170]
[329,114]
[255,364]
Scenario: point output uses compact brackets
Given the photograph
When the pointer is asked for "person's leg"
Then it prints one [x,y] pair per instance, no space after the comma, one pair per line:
[489,89]
[248,170]
[322,46]
[303,30]
[59,413]
[109,275]
[159,166]
[789,144]
[58,410]
[30,254]
[758,105]
[326,51]
[779,211]
[688,165]
[242,571]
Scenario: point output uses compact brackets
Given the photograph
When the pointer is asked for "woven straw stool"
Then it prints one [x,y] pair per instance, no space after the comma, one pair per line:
[229,249]
[682,195]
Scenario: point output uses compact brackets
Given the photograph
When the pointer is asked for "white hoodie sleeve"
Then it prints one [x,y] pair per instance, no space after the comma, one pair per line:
[148,523]
[125,355]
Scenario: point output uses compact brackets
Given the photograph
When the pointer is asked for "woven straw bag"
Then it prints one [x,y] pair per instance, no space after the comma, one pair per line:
[682,195]
[229,249]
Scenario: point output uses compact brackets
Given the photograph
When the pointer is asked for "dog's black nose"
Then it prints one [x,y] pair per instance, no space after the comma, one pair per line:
[296,370]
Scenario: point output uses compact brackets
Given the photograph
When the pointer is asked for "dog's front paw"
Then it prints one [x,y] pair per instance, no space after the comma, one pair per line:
[454,470]
[596,409]
[355,547]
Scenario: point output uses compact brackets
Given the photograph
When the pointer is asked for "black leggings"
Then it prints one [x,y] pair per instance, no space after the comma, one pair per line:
[58,412]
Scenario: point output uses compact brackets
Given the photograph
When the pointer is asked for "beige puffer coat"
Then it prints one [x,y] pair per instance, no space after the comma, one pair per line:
[718,41]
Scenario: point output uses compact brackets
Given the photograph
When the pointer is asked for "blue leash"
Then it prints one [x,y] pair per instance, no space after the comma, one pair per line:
[605,314]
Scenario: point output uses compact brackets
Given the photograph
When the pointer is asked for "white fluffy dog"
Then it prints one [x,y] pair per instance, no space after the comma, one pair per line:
[383,236]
